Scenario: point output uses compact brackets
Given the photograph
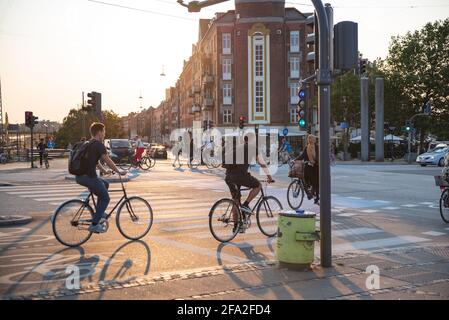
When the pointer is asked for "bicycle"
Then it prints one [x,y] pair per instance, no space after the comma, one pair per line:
[443,183]
[71,220]
[284,158]
[221,216]
[145,163]
[3,158]
[296,190]
[45,158]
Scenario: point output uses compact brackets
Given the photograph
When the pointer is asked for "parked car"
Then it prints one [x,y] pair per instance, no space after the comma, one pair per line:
[119,149]
[158,151]
[435,157]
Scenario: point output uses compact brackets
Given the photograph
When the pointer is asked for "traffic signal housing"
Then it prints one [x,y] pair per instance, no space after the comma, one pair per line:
[29,119]
[94,103]
[407,127]
[242,121]
[362,66]
[302,107]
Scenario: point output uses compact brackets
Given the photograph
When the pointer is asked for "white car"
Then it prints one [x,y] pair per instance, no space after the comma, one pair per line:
[435,157]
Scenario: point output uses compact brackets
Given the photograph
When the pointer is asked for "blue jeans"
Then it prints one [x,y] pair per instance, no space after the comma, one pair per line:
[98,187]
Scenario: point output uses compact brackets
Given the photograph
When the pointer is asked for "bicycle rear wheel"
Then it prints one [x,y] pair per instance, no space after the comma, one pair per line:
[295,194]
[134,218]
[267,215]
[71,222]
[444,205]
[222,218]
[145,163]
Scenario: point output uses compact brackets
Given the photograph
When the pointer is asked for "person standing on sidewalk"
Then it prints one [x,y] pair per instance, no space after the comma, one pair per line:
[310,155]
[98,186]
[41,147]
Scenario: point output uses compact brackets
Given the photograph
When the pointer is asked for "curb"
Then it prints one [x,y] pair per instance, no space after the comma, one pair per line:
[113,180]
[14,220]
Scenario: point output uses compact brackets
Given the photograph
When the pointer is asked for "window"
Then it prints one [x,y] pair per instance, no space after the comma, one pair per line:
[294,116]
[227,116]
[226,43]
[294,89]
[227,94]
[227,69]
[258,59]
[294,41]
[259,96]
[259,79]
[294,67]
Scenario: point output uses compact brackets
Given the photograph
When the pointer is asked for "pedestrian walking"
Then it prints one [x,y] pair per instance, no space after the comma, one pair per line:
[41,148]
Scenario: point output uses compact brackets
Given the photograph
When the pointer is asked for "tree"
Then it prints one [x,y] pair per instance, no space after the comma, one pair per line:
[76,125]
[418,65]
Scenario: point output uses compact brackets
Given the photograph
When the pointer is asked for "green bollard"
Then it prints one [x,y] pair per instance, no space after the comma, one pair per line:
[296,239]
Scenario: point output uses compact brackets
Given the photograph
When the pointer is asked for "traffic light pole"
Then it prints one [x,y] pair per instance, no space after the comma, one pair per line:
[409,160]
[32,148]
[324,81]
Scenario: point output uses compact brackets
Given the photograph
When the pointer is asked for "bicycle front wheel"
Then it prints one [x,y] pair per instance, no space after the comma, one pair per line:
[295,194]
[223,216]
[267,215]
[125,164]
[134,218]
[71,222]
[444,205]
[152,162]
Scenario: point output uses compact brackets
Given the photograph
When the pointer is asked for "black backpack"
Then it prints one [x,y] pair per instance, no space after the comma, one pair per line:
[78,159]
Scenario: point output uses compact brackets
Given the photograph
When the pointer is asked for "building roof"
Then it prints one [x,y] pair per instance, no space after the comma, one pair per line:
[295,14]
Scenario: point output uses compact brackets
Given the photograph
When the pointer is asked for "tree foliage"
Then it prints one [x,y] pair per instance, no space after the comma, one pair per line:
[76,125]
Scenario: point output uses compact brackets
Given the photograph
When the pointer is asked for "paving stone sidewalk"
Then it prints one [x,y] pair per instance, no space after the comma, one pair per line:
[413,273]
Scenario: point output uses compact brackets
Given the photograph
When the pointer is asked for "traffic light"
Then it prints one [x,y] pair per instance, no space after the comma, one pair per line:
[362,66]
[408,126]
[94,103]
[205,123]
[35,121]
[29,119]
[242,120]
[302,107]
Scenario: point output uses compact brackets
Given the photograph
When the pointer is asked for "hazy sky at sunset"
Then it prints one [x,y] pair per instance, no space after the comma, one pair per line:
[52,50]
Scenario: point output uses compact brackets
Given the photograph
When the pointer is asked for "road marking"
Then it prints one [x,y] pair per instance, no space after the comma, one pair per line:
[434,233]
[390,208]
[346,214]
[378,243]
[355,232]
[369,211]
[410,205]
[355,198]
[426,203]
[381,201]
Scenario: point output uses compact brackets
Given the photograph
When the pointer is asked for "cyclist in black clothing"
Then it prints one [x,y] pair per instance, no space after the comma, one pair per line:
[41,147]
[237,175]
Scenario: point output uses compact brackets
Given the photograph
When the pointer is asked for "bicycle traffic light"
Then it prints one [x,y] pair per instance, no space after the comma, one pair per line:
[302,107]
[242,120]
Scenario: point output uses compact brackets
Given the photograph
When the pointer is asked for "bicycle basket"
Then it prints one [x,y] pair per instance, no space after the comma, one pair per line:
[441,181]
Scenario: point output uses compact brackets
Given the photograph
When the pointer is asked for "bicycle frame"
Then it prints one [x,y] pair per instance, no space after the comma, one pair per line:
[91,197]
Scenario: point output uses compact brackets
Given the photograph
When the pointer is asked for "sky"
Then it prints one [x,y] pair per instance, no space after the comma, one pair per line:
[53,50]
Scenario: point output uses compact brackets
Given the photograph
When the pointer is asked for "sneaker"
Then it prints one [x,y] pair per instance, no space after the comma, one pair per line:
[245,209]
[98,228]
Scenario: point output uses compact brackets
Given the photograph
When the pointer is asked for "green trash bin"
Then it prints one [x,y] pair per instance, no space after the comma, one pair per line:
[296,239]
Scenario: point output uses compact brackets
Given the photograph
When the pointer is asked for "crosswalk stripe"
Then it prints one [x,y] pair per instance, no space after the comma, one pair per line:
[378,243]
[355,232]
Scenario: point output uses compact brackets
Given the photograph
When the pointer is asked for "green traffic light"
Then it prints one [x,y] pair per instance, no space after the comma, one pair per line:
[302,123]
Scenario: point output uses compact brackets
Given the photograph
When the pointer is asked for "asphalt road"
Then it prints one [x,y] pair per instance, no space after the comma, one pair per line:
[375,207]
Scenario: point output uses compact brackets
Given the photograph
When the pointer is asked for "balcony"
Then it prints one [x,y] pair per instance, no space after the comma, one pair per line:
[208,79]
[195,109]
[208,103]
[310,57]
[310,19]
[310,38]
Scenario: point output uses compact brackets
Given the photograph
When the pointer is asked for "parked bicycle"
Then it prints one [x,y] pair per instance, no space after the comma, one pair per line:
[223,212]
[71,220]
[3,158]
[442,181]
